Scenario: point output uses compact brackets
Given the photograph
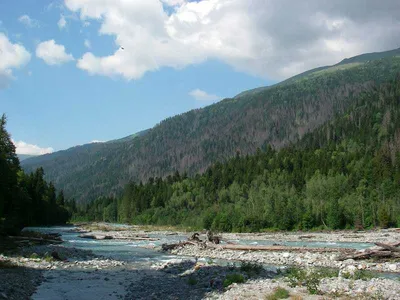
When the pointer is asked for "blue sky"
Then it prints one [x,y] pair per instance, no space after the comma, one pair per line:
[75,71]
[62,106]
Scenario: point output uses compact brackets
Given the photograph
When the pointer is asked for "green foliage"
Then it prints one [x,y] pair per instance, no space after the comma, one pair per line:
[278,115]
[251,268]
[309,278]
[279,293]
[233,278]
[340,176]
[360,275]
[192,280]
[24,199]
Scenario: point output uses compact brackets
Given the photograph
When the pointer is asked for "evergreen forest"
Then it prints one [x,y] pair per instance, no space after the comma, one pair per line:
[344,174]
[26,199]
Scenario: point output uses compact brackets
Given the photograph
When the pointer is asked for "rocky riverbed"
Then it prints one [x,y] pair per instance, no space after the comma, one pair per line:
[69,271]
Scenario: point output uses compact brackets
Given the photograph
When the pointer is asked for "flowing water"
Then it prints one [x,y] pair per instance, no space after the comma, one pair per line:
[86,284]
[132,251]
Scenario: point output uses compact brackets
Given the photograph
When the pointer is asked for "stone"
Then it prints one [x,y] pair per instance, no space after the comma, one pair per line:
[392,267]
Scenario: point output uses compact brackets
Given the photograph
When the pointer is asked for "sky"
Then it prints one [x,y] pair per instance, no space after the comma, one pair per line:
[77,71]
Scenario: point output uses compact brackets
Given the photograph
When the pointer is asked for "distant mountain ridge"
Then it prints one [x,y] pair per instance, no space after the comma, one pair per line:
[25,156]
[190,142]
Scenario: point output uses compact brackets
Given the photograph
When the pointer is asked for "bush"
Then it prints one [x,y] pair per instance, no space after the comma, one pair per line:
[233,278]
[279,293]
[251,268]
[309,279]
[192,280]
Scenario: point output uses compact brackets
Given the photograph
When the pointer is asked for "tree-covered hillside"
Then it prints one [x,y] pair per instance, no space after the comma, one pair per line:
[26,199]
[192,141]
[345,174]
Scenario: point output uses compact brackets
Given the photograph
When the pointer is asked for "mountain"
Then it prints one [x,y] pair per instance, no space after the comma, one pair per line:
[344,174]
[190,142]
[22,157]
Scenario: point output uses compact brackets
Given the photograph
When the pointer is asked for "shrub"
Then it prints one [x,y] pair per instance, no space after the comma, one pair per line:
[310,279]
[279,293]
[233,278]
[192,280]
[251,268]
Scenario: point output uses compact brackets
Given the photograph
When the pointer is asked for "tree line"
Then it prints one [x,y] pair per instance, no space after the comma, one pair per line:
[26,199]
[344,174]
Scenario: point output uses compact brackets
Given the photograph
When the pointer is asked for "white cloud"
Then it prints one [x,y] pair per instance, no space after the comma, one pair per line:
[96,142]
[62,22]
[272,39]
[25,148]
[28,21]
[201,95]
[173,2]
[87,44]
[52,53]
[12,56]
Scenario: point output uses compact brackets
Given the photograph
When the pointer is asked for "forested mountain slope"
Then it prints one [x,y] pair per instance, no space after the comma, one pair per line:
[190,142]
[345,174]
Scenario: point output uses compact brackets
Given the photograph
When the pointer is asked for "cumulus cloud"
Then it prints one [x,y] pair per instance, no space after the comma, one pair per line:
[28,21]
[62,22]
[87,44]
[30,149]
[12,56]
[52,53]
[201,95]
[271,39]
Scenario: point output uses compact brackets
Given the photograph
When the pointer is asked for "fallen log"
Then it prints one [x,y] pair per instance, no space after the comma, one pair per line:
[306,237]
[96,237]
[390,247]
[369,254]
[34,239]
[277,248]
[167,247]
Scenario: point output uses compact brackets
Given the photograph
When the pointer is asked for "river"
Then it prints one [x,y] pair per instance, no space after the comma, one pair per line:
[138,260]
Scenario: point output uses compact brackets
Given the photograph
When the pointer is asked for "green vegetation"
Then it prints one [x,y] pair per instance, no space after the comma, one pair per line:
[279,293]
[360,275]
[193,141]
[344,174]
[25,199]
[192,280]
[233,278]
[309,278]
[251,268]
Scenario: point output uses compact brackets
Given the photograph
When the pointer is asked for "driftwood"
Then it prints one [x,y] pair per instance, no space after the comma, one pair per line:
[306,237]
[96,237]
[213,238]
[195,237]
[35,239]
[385,251]
[168,247]
[277,248]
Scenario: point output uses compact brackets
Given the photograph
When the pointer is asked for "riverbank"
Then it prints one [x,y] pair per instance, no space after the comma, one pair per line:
[68,271]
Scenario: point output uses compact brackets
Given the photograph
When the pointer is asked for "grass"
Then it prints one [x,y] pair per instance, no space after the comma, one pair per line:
[279,293]
[233,278]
